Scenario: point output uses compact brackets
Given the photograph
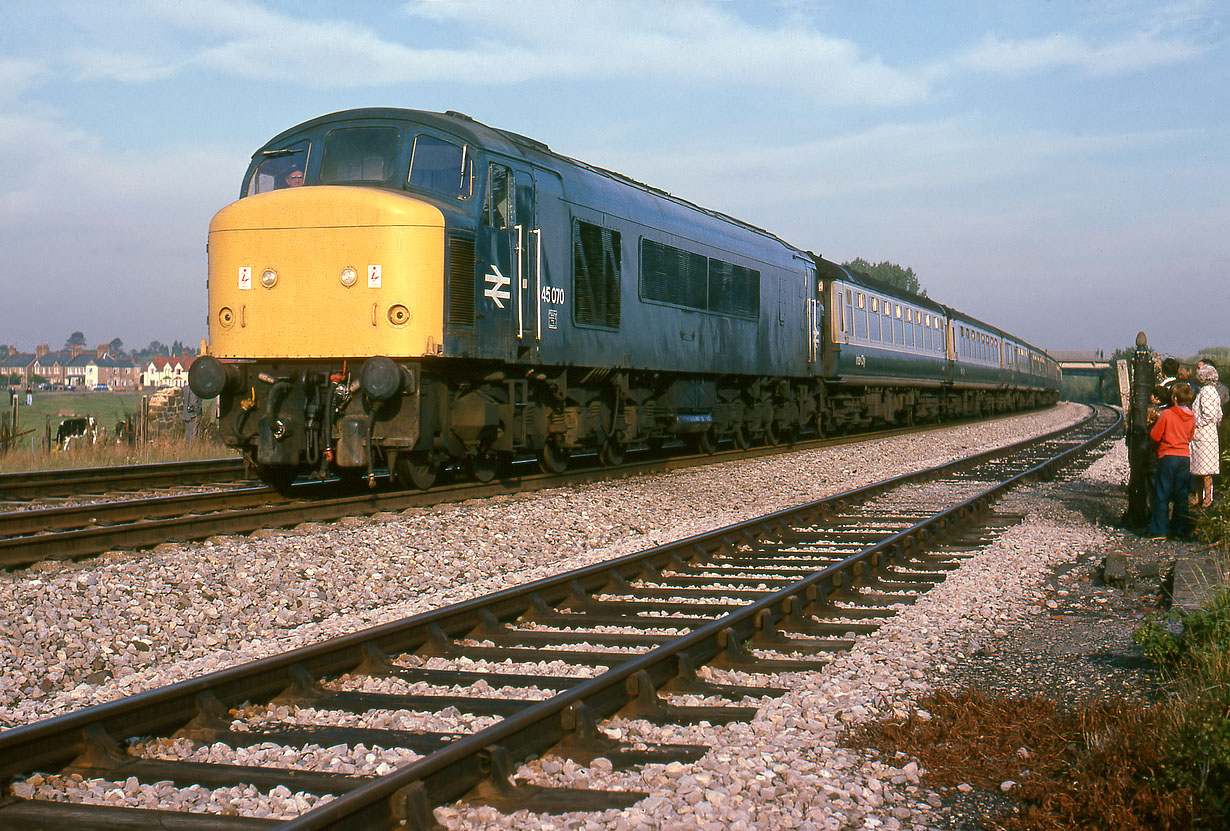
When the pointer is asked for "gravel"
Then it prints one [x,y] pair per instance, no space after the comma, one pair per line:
[82,633]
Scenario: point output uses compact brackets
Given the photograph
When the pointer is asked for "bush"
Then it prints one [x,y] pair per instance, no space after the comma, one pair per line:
[1194,730]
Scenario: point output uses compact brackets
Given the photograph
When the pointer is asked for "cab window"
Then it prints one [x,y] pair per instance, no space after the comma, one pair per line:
[281,168]
[497,200]
[359,154]
[441,167]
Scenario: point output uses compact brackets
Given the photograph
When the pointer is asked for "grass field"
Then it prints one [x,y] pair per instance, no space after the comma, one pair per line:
[107,408]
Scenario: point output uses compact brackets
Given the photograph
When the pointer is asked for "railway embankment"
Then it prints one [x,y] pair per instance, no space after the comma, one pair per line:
[1028,613]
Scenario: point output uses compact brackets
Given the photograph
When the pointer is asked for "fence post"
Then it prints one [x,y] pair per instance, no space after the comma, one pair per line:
[1136,517]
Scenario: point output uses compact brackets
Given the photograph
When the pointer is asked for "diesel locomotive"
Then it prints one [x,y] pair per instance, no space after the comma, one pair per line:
[408,291]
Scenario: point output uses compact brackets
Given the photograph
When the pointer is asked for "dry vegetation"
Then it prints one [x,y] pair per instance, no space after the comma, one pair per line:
[1117,766]
[112,453]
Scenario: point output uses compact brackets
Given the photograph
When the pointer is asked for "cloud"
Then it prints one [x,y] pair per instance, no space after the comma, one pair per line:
[16,76]
[1135,53]
[110,242]
[687,43]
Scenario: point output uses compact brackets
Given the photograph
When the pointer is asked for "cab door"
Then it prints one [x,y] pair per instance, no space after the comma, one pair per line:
[527,242]
[813,320]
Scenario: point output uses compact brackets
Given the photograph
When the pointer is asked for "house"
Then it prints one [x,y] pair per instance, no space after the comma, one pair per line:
[167,372]
[16,368]
[49,365]
[87,370]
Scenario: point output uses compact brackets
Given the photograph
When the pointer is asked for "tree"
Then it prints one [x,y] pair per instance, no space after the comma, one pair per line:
[891,273]
[116,347]
[75,339]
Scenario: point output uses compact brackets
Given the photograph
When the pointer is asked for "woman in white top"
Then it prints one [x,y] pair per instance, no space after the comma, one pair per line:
[1206,456]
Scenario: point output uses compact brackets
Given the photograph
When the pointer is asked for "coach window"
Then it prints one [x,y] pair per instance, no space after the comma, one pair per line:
[359,154]
[849,322]
[497,199]
[860,318]
[441,167]
[898,327]
[276,166]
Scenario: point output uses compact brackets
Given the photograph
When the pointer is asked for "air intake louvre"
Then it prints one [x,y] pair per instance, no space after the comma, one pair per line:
[461,281]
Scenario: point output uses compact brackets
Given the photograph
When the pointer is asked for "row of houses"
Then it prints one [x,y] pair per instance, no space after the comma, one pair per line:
[78,368]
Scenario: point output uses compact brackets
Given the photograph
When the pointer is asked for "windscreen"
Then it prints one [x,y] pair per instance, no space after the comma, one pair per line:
[282,168]
[359,154]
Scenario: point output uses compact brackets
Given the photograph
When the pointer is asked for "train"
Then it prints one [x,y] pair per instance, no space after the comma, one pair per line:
[403,292]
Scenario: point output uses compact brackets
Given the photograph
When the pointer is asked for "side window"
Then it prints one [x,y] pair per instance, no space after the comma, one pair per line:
[441,167]
[359,154]
[595,275]
[278,169]
[497,199]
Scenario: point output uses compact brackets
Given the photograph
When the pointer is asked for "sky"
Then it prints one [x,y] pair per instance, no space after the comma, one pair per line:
[1059,169]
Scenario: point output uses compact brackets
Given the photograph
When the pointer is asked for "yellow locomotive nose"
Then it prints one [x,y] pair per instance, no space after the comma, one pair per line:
[326,272]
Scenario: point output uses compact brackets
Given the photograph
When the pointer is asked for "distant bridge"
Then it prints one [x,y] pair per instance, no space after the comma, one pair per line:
[1092,364]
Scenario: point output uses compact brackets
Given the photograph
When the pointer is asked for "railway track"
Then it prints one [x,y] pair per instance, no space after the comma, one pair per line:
[24,485]
[32,535]
[775,594]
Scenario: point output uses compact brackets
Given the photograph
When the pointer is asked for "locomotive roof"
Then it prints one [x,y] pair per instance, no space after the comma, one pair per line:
[511,144]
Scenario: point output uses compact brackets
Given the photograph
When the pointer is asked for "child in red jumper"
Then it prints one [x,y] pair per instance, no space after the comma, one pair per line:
[1173,431]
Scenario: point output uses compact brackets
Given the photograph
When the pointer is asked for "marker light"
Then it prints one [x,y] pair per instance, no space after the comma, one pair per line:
[268,278]
[349,275]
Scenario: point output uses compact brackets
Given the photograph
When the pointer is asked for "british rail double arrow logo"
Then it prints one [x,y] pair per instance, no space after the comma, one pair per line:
[497,286]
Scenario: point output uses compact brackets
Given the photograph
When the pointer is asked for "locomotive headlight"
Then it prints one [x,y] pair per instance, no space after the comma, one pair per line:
[268,278]
[349,275]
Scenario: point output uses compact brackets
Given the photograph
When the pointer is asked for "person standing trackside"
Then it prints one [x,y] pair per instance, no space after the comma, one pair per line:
[1173,431]
[1205,452]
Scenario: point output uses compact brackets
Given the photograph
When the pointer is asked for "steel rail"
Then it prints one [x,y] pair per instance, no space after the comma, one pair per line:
[455,769]
[44,483]
[28,537]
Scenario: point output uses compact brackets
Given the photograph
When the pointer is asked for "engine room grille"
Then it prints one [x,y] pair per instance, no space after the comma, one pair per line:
[595,274]
[461,281]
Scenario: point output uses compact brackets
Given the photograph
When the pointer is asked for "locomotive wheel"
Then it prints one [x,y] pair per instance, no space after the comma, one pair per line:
[417,470]
[740,438]
[611,453]
[771,435]
[702,443]
[553,459]
[485,465]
